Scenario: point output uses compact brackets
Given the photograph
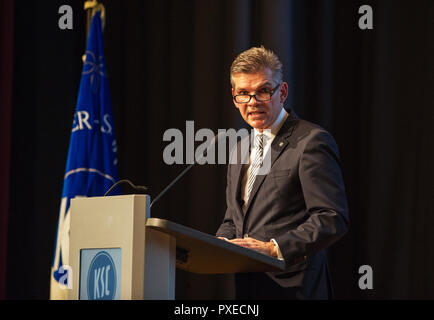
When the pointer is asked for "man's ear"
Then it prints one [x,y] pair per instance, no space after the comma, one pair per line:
[233,92]
[283,92]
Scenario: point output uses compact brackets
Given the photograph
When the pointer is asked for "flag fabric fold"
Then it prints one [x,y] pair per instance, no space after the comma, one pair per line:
[91,167]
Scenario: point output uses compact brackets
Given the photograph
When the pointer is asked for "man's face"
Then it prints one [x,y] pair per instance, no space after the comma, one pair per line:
[259,115]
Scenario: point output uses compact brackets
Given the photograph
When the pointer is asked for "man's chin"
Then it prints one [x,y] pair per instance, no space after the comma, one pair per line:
[258,125]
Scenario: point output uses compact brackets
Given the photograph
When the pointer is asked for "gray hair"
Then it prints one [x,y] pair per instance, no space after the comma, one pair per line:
[254,60]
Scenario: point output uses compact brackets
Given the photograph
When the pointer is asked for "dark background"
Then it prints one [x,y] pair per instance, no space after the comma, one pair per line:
[168,62]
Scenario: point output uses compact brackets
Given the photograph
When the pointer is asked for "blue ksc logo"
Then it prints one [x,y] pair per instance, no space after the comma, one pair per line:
[101,277]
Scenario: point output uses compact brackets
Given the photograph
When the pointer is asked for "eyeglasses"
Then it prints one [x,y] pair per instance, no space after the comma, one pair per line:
[261,96]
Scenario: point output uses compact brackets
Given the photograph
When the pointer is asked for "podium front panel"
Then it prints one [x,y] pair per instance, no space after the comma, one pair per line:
[105,224]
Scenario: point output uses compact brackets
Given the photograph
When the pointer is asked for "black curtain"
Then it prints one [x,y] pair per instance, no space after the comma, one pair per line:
[168,62]
[6,58]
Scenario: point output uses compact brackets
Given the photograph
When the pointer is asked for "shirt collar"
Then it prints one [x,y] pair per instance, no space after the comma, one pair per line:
[272,131]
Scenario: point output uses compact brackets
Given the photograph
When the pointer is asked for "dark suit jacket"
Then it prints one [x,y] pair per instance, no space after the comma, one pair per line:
[301,203]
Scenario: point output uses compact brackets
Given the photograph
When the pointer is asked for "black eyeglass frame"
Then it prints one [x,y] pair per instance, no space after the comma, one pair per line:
[272,91]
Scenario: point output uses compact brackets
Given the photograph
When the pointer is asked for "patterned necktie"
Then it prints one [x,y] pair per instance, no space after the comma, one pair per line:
[256,163]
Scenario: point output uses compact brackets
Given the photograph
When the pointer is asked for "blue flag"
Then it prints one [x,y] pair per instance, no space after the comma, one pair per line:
[91,168]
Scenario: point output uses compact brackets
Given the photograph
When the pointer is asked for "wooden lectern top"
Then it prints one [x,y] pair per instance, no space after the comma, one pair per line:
[199,252]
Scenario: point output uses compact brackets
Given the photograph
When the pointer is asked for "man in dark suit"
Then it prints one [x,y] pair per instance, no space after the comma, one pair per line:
[297,207]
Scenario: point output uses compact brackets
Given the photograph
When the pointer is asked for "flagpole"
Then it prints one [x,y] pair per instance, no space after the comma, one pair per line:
[88,6]
[92,6]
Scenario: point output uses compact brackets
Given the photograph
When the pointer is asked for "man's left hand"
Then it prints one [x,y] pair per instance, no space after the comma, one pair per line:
[260,246]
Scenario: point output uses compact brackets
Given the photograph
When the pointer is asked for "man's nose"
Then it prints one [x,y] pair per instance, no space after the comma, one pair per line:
[253,101]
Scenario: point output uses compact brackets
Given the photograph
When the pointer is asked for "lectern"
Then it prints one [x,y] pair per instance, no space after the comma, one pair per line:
[117,251]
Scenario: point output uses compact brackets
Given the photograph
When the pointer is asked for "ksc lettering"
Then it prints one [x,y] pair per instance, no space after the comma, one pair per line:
[101,281]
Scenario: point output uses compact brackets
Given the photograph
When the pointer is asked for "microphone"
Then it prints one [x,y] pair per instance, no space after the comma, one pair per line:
[141,188]
[221,135]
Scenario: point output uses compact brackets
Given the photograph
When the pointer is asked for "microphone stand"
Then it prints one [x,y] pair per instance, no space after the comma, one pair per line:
[172,183]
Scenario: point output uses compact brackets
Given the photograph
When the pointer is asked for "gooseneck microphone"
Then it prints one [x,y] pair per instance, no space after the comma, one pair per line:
[139,188]
[221,135]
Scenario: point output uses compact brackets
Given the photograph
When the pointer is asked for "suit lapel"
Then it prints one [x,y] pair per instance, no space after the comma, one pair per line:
[242,159]
[281,140]
[238,170]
